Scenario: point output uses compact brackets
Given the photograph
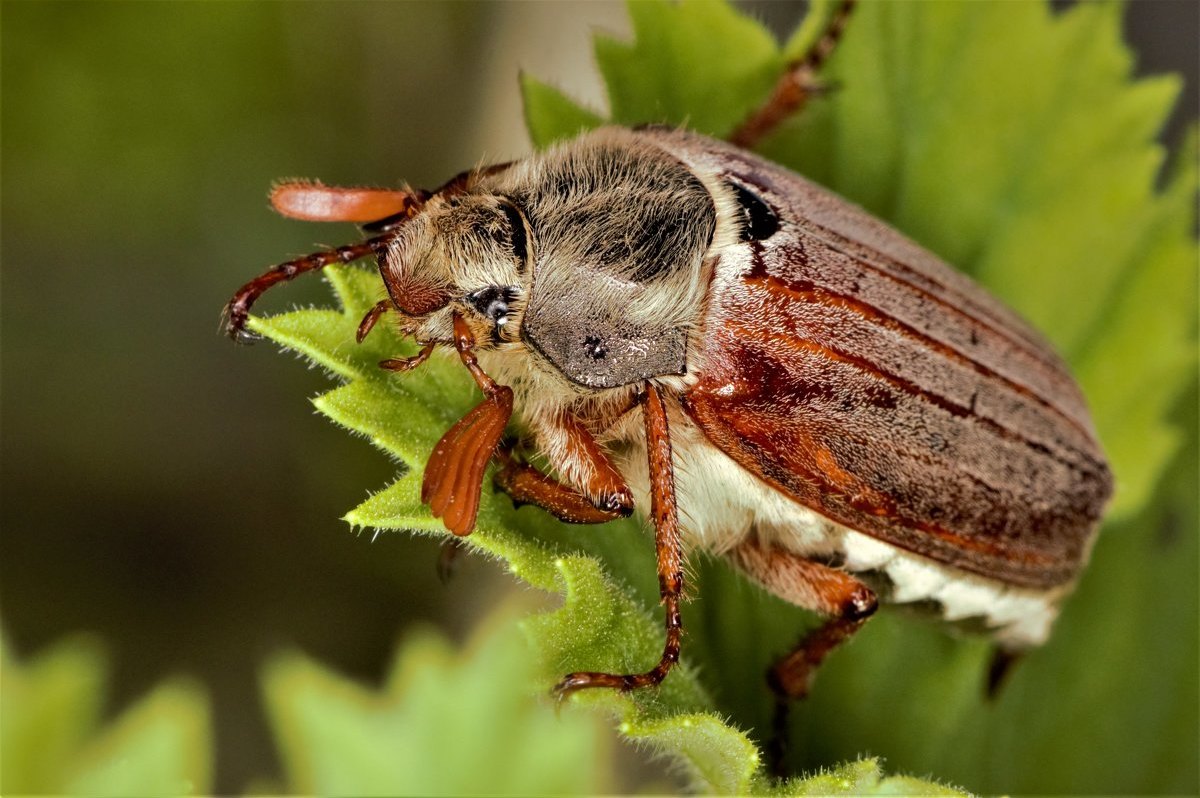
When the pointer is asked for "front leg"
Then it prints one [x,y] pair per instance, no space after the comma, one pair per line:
[668,546]
[454,472]
[525,484]
[594,491]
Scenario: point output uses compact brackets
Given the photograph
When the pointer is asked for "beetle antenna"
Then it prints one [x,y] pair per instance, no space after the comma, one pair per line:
[237,311]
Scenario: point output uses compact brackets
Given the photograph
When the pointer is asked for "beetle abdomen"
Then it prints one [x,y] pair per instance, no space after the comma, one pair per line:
[864,378]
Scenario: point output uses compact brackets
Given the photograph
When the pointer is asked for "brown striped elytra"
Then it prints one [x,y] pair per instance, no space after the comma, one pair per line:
[679,326]
[889,393]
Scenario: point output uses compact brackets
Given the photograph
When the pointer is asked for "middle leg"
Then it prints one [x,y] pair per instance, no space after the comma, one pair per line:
[526,484]
[594,490]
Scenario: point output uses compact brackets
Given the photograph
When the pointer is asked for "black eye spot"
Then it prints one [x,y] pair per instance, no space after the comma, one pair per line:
[517,226]
[759,222]
[594,348]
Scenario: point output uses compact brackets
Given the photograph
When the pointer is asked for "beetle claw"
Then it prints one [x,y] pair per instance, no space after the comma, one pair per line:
[233,324]
[244,337]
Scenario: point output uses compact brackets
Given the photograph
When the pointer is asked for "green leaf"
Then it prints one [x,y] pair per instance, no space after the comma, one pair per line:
[159,746]
[552,116]
[444,723]
[697,63]
[49,708]
[50,743]
[1013,142]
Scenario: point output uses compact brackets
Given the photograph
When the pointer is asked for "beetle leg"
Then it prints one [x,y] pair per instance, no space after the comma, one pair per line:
[371,319]
[584,465]
[454,473]
[668,546]
[408,363]
[999,668]
[526,484]
[447,562]
[817,587]
[795,86]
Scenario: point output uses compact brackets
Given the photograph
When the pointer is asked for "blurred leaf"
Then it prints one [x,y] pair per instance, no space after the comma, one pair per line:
[159,746]
[697,63]
[552,116]
[443,724]
[51,744]
[1011,141]
[50,706]
[864,777]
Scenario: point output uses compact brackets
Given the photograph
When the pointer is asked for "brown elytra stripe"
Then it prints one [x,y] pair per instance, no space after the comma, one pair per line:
[821,350]
[887,509]
[809,292]
[811,264]
[942,294]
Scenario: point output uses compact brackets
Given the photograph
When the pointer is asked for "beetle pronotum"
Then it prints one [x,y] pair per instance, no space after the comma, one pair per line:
[672,321]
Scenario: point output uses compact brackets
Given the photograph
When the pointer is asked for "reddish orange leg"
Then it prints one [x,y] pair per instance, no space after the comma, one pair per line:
[525,484]
[602,494]
[817,587]
[392,363]
[371,319]
[669,548]
[408,363]
[795,86]
[454,474]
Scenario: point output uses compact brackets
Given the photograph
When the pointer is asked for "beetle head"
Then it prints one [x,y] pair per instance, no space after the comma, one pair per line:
[466,253]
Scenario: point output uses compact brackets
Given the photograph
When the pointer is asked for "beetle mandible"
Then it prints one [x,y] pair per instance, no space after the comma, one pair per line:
[673,321]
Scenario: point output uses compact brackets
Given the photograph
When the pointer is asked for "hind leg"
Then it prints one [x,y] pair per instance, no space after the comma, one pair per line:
[846,602]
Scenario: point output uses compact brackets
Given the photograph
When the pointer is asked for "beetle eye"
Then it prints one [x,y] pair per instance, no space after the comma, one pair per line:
[517,225]
[492,302]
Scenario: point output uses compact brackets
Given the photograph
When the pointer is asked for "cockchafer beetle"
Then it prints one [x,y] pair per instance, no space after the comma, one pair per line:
[674,322]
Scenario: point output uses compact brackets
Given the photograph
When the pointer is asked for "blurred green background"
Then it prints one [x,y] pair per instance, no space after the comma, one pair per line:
[162,488]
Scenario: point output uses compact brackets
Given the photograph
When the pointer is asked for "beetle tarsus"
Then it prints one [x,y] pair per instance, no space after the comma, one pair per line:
[244,337]
[371,318]
[407,363]
[526,484]
[449,555]
[233,324]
